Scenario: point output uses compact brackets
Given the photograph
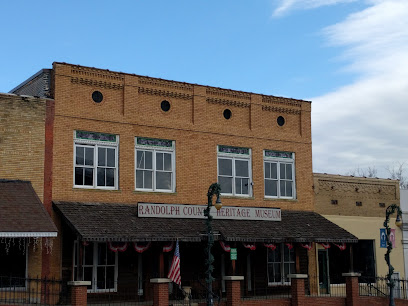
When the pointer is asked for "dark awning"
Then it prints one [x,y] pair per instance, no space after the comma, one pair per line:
[119,222]
[21,212]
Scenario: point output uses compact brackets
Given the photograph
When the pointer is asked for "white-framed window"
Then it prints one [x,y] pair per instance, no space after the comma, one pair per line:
[234,171]
[281,263]
[99,266]
[95,160]
[155,165]
[279,174]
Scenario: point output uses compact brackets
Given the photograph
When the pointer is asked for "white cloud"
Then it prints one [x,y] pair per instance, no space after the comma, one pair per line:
[365,124]
[285,6]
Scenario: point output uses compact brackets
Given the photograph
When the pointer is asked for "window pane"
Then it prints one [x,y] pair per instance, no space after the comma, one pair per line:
[241,168]
[88,177]
[100,177]
[286,271]
[274,171]
[110,177]
[289,189]
[271,188]
[88,254]
[111,257]
[282,172]
[140,159]
[111,157]
[277,272]
[148,160]
[289,171]
[238,183]
[101,254]
[267,170]
[79,176]
[226,184]
[148,179]
[88,274]
[241,186]
[167,162]
[101,278]
[110,277]
[159,161]
[225,167]
[79,155]
[282,189]
[89,156]
[101,157]
[163,180]
[139,178]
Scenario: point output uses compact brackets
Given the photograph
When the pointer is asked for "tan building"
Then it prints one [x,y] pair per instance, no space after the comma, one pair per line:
[26,229]
[358,204]
[132,158]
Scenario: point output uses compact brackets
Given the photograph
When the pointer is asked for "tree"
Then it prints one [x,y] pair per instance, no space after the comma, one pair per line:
[361,172]
[397,172]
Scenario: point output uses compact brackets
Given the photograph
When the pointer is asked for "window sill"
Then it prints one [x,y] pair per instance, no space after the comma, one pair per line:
[96,189]
[236,197]
[154,192]
[281,199]
[279,284]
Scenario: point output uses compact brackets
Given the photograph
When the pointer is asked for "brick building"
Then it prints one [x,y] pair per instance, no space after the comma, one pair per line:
[26,229]
[358,204]
[128,150]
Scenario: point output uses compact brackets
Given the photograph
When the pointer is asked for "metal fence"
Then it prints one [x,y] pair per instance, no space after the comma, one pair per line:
[35,291]
[316,286]
[379,286]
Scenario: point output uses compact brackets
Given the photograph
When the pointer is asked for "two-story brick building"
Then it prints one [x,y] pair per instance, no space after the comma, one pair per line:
[132,158]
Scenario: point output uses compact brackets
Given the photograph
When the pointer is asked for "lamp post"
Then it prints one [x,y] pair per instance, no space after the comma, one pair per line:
[389,211]
[213,190]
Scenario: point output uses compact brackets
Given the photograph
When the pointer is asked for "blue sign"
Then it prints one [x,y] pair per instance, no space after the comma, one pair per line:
[383,238]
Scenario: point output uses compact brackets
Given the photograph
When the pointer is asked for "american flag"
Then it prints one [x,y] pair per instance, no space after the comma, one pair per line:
[174,273]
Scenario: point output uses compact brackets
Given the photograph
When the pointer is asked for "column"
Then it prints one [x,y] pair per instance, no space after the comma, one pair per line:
[233,284]
[298,288]
[160,291]
[352,288]
[78,292]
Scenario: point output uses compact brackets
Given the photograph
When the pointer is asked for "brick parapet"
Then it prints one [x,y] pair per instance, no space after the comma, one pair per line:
[338,195]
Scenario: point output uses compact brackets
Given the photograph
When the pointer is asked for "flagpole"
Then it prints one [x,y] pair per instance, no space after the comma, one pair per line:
[214,189]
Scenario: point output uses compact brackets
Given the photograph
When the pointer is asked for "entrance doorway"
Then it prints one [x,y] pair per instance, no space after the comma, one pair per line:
[324,283]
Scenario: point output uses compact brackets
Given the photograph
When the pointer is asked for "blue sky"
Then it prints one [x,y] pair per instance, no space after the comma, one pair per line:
[349,57]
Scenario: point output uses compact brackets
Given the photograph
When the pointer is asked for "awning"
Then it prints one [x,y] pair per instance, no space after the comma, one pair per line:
[21,212]
[119,222]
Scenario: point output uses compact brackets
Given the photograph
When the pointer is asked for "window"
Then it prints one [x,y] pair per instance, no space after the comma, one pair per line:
[363,262]
[155,165]
[281,263]
[279,171]
[95,160]
[234,170]
[99,266]
[13,264]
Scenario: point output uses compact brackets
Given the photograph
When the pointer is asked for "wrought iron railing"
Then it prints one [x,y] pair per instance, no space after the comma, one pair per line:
[34,291]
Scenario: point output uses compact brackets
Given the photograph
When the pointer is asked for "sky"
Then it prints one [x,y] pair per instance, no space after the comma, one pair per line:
[349,57]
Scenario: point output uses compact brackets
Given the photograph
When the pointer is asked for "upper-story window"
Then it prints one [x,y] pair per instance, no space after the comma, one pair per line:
[279,174]
[155,164]
[95,160]
[234,170]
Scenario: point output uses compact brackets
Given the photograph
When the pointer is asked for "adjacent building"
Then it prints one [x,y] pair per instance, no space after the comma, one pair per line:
[358,204]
